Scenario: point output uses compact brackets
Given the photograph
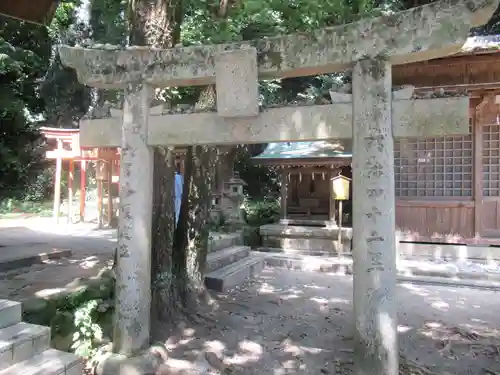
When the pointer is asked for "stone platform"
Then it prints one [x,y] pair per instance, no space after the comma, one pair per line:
[318,239]
[310,237]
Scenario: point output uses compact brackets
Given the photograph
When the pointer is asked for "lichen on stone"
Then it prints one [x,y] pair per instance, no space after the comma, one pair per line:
[402,37]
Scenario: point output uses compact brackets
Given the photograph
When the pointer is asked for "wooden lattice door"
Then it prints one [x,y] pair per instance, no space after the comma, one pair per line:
[490,210]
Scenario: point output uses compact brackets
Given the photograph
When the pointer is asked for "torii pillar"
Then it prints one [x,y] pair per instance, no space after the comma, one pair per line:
[370,47]
[374,207]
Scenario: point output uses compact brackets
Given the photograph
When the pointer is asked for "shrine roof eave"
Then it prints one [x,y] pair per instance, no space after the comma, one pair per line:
[40,12]
[58,131]
[304,162]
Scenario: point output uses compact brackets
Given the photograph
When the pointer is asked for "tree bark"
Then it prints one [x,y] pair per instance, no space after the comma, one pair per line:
[192,236]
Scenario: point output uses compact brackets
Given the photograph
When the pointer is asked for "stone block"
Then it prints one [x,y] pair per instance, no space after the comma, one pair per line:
[10,313]
[225,257]
[49,362]
[235,274]
[237,83]
[18,341]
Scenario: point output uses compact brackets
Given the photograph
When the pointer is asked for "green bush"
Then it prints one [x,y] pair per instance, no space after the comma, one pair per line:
[251,237]
[80,321]
[13,206]
[263,212]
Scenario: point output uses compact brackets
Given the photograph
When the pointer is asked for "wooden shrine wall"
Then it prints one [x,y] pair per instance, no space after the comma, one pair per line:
[447,188]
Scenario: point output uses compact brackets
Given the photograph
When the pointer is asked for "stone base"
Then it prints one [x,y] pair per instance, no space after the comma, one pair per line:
[407,271]
[318,238]
[306,239]
[447,252]
[113,364]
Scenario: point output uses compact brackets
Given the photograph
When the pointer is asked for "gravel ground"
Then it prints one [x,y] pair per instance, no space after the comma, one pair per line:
[295,322]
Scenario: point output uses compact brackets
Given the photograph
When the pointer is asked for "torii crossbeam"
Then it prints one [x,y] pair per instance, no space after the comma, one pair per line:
[369,47]
[411,118]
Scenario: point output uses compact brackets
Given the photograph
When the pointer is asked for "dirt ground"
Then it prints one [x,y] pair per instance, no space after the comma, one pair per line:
[295,322]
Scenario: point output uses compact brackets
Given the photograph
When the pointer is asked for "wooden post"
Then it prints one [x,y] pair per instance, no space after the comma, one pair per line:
[70,190]
[477,131]
[284,193]
[57,182]
[83,188]
[339,236]
[331,210]
[99,194]
[108,188]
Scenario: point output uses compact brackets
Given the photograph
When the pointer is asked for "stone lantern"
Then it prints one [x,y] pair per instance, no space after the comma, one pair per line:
[232,199]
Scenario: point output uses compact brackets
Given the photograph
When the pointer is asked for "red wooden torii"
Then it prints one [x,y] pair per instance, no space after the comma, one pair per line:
[64,145]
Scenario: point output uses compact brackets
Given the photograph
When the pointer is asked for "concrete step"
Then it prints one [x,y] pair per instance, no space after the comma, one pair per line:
[225,257]
[10,313]
[235,274]
[22,341]
[50,362]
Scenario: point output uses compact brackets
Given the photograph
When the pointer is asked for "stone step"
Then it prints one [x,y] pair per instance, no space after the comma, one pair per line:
[446,274]
[22,341]
[50,362]
[10,313]
[219,241]
[307,252]
[341,265]
[225,257]
[235,274]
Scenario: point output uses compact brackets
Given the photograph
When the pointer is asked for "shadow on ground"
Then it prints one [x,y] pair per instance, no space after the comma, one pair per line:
[295,322]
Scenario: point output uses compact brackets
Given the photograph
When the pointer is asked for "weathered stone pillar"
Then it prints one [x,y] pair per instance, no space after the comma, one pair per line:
[284,193]
[133,271]
[374,255]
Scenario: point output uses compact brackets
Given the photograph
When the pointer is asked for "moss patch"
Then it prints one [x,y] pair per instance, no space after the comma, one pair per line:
[58,312]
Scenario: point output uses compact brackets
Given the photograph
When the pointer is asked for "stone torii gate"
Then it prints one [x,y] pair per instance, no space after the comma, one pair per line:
[369,47]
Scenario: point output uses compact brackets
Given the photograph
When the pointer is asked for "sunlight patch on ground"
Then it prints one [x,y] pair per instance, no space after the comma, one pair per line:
[215,346]
[404,329]
[441,305]
[250,351]
[44,293]
[89,262]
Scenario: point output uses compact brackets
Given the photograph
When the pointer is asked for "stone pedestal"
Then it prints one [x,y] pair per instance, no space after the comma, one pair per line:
[374,254]
[133,271]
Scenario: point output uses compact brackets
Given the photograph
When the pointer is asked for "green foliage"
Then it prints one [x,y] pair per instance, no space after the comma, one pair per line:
[261,212]
[84,317]
[261,181]
[251,237]
[107,21]
[24,56]
[88,332]
[13,206]
[65,99]
[257,213]
[218,224]
[40,186]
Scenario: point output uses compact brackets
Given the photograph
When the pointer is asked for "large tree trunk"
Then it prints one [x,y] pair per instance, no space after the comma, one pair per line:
[181,294]
[156,23]
[192,236]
